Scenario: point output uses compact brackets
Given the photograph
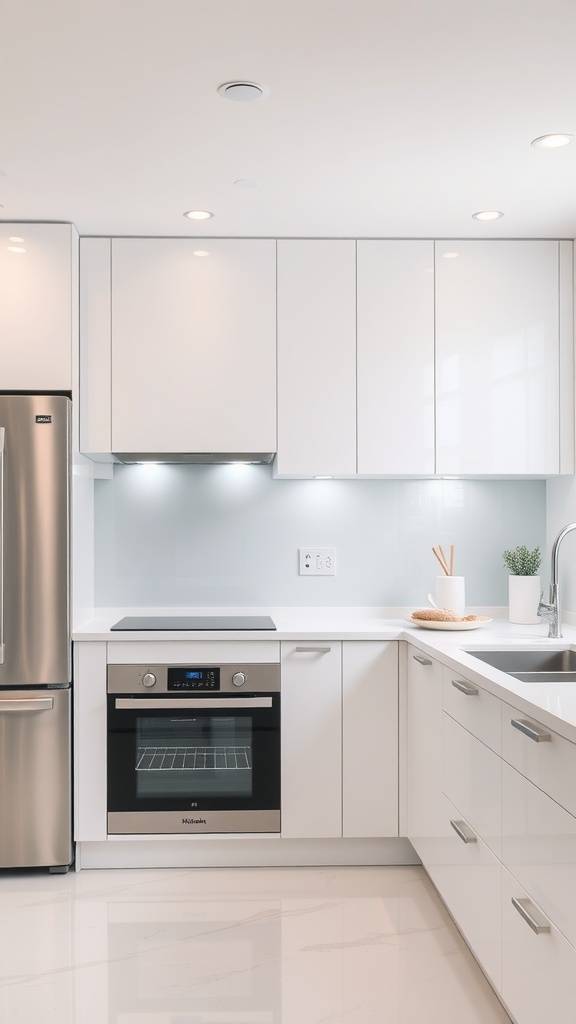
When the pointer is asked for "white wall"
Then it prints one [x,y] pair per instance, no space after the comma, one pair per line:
[229,535]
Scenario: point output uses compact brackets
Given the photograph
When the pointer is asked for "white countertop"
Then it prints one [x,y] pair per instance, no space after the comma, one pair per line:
[554,704]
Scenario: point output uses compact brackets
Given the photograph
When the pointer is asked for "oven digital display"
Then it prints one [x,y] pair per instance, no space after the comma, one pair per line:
[184,677]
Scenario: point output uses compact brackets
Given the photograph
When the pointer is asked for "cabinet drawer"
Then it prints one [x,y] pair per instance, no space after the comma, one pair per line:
[467,876]
[542,756]
[539,848]
[537,969]
[475,709]
[471,779]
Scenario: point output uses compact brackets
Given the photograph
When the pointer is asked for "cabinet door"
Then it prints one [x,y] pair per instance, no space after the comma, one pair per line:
[395,357]
[425,819]
[472,781]
[537,968]
[316,358]
[497,357]
[467,875]
[193,345]
[370,738]
[311,740]
[38,306]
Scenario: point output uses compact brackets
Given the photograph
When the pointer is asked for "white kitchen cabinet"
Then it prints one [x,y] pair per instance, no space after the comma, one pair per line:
[193,345]
[369,739]
[503,344]
[38,306]
[90,821]
[395,295]
[472,781]
[538,969]
[311,796]
[540,754]
[424,812]
[539,848]
[316,358]
[467,875]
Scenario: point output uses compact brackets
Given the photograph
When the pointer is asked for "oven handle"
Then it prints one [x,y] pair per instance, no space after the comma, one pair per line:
[171,703]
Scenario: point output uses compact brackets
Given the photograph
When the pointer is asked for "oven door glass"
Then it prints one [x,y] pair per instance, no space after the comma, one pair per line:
[225,756]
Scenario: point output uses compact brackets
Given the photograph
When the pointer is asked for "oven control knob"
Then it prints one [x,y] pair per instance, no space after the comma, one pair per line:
[149,679]
[239,678]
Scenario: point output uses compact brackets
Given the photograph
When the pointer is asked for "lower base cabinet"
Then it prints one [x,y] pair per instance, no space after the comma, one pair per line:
[538,968]
[467,876]
[339,739]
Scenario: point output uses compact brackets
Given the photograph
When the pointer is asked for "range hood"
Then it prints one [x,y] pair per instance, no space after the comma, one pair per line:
[196,458]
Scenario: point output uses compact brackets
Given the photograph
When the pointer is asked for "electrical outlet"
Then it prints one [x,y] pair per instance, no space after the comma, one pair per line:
[317,561]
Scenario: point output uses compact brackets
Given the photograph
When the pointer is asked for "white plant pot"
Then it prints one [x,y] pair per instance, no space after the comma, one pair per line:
[523,599]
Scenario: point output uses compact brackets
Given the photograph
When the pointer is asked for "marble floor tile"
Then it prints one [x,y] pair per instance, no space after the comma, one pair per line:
[341,945]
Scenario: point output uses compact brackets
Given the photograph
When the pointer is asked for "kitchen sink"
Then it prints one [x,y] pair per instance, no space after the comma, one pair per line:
[532,666]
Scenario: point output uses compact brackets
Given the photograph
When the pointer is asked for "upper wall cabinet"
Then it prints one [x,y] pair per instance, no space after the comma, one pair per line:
[38,306]
[504,370]
[316,358]
[192,353]
[355,358]
[395,322]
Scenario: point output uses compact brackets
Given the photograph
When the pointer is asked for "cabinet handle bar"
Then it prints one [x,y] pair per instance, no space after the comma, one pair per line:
[421,661]
[540,927]
[464,831]
[532,731]
[313,650]
[470,691]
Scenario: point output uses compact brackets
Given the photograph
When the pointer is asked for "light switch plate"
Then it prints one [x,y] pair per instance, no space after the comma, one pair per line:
[317,561]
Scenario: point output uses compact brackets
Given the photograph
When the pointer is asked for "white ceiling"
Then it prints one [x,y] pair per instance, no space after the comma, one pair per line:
[385,117]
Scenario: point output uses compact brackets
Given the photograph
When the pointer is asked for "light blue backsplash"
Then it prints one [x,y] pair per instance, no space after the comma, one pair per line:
[229,535]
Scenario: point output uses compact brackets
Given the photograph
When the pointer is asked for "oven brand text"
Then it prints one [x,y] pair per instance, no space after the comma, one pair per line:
[194,821]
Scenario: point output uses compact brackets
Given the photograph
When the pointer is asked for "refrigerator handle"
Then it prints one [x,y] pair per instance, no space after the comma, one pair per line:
[2,445]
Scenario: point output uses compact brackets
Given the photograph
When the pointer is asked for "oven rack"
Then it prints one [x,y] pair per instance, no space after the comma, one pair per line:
[184,759]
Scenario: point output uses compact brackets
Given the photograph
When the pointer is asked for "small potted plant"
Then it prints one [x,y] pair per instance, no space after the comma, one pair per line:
[524,584]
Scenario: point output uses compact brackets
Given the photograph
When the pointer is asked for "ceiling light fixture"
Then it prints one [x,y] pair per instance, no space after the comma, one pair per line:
[200,252]
[488,215]
[243,92]
[554,141]
[15,238]
[198,214]
[15,248]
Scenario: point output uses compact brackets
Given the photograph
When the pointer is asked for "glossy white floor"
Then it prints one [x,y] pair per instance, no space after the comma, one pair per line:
[235,946]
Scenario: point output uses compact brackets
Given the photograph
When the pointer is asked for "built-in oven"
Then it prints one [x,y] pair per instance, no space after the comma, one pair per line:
[193,748]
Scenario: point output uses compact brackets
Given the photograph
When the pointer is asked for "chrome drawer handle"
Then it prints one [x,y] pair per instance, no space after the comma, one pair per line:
[26,704]
[470,691]
[464,831]
[540,927]
[421,661]
[313,650]
[532,731]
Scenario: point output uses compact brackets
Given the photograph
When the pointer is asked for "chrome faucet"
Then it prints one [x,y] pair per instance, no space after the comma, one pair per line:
[551,611]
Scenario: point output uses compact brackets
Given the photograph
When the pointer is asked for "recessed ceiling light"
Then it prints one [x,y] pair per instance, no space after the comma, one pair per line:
[15,248]
[198,214]
[488,215]
[243,92]
[15,238]
[200,252]
[247,183]
[552,141]
[450,255]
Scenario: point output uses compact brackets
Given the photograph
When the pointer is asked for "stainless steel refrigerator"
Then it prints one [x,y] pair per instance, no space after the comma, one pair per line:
[35,648]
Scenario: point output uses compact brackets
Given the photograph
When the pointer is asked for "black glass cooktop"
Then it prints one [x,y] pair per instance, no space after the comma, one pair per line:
[192,622]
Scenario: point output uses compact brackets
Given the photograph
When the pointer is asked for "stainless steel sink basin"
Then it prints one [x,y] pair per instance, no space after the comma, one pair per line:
[532,666]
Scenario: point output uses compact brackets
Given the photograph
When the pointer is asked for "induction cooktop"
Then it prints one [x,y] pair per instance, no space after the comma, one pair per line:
[193,622]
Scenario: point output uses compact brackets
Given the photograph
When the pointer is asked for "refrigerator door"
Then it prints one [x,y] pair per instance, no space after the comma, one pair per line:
[35,790]
[34,540]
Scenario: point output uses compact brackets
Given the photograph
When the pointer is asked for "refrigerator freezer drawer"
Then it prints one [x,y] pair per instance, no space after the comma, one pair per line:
[35,778]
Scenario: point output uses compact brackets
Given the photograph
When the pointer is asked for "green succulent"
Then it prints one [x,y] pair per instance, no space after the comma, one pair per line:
[522,562]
